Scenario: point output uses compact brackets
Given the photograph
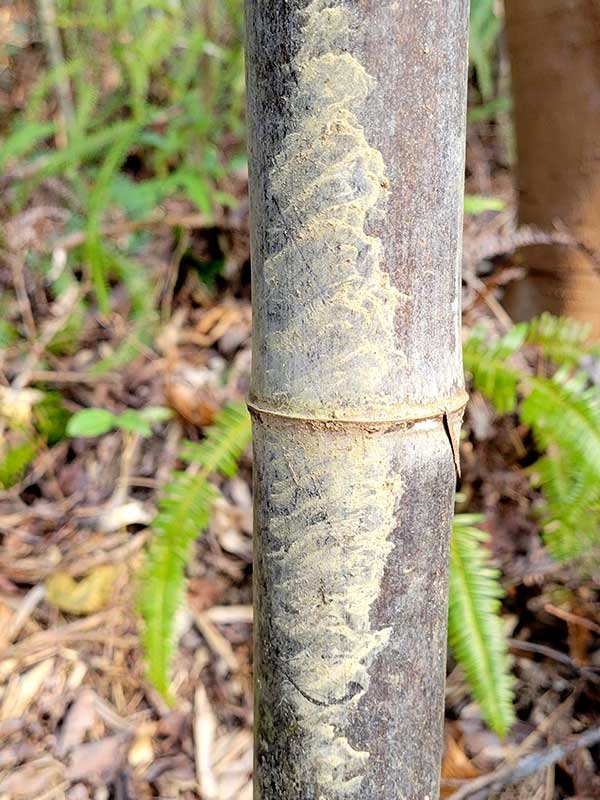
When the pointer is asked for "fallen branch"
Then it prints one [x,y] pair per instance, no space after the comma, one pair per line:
[485,248]
[481,788]
[555,655]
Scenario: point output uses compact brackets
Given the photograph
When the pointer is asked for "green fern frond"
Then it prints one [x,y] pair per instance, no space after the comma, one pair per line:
[184,512]
[573,532]
[571,510]
[225,442]
[475,629]
[565,412]
[553,474]
[487,362]
[564,415]
[560,339]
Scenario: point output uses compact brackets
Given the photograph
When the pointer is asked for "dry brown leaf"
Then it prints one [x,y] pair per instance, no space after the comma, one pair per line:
[32,779]
[78,792]
[22,690]
[16,405]
[87,596]
[532,788]
[456,765]
[216,641]
[141,752]
[192,404]
[118,517]
[98,761]
[79,720]
[6,616]
[579,639]
[205,727]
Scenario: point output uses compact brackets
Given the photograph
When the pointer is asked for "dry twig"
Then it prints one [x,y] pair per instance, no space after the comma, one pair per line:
[483,787]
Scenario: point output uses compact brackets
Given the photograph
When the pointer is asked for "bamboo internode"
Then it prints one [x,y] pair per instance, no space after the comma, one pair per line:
[356,116]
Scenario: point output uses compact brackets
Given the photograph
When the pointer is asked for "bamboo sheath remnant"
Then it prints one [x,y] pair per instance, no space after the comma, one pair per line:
[356,113]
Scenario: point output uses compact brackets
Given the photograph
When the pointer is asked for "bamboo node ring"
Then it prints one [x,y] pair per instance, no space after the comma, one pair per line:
[404,415]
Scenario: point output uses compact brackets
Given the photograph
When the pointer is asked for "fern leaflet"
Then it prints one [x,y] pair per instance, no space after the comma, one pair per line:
[475,626]
[15,461]
[569,494]
[564,414]
[225,442]
[560,339]
[487,363]
[183,513]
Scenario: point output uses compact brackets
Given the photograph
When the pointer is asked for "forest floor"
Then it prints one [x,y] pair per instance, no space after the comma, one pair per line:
[78,718]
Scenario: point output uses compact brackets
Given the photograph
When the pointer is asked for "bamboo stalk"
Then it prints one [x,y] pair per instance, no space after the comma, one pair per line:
[356,116]
[555,79]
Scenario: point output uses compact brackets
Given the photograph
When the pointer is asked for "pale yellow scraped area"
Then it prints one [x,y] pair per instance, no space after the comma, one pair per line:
[329,530]
[327,181]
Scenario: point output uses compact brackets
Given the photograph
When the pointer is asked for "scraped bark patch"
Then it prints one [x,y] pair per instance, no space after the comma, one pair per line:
[326,544]
[327,180]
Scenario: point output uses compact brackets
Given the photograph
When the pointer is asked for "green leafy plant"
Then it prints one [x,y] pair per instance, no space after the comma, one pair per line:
[488,363]
[538,371]
[16,458]
[475,631]
[485,27]
[151,83]
[561,406]
[30,420]
[561,340]
[183,514]
[98,421]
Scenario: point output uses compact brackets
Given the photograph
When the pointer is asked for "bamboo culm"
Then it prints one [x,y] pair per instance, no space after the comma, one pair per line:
[555,80]
[356,114]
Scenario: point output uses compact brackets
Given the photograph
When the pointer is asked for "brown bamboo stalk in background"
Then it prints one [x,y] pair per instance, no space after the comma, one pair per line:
[555,65]
[357,126]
